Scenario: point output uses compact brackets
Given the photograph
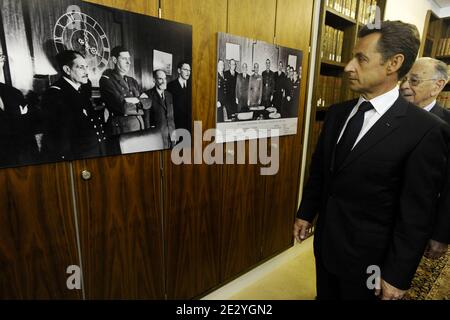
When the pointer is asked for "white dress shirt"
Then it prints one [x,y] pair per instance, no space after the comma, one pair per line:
[381,105]
[430,106]
[182,82]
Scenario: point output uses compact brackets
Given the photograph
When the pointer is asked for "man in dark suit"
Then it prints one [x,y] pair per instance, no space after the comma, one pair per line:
[280,87]
[424,82]
[160,116]
[180,89]
[18,145]
[231,78]
[374,175]
[242,84]
[72,127]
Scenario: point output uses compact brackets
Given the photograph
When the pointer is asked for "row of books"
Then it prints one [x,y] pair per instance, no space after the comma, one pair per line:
[328,90]
[332,43]
[368,9]
[346,7]
[444,99]
[443,47]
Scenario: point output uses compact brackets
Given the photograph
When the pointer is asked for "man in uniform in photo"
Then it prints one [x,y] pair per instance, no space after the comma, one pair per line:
[180,89]
[72,127]
[255,87]
[268,77]
[123,96]
[421,86]
[242,85]
[221,91]
[160,116]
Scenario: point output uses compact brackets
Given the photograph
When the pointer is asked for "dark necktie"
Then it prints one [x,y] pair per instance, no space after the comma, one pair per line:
[350,134]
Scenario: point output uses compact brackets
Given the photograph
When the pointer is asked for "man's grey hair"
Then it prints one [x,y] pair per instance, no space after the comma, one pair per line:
[441,69]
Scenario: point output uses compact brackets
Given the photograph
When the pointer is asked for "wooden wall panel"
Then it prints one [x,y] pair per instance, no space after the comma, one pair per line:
[37,233]
[293,31]
[192,193]
[120,215]
[244,192]
[121,227]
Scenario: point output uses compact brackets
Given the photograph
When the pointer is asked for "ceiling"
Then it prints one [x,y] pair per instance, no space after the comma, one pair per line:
[442,3]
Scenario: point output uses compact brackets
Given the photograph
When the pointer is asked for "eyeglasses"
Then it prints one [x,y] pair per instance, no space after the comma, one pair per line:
[414,82]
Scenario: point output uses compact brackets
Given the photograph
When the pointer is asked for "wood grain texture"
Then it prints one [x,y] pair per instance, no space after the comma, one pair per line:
[293,30]
[192,193]
[121,227]
[120,215]
[244,195]
[37,233]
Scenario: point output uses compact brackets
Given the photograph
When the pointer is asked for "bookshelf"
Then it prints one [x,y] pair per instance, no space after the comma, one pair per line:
[339,23]
[436,44]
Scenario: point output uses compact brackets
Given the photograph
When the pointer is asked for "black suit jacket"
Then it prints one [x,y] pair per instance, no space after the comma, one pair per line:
[160,116]
[441,231]
[182,110]
[17,142]
[73,130]
[377,208]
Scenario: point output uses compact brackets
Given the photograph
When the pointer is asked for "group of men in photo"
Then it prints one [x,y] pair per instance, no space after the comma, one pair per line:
[274,92]
[70,126]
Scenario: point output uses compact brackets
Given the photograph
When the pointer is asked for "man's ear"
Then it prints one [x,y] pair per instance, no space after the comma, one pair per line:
[394,63]
[438,87]
[114,60]
[66,70]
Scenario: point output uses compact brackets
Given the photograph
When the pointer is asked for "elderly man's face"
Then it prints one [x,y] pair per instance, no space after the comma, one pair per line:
[421,85]
[232,65]
[244,68]
[78,73]
[256,68]
[160,80]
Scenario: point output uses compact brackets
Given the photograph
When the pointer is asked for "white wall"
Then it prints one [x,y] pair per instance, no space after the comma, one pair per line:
[410,11]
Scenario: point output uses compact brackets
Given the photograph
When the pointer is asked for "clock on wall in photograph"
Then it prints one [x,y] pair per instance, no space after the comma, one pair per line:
[78,31]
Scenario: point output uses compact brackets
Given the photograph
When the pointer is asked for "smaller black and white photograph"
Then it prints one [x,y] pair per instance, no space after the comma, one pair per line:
[80,80]
[258,87]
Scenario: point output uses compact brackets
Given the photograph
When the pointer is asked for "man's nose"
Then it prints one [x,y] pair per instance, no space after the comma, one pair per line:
[350,66]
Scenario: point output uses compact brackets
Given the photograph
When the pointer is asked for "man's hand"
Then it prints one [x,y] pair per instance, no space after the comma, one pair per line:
[389,292]
[132,100]
[302,229]
[435,249]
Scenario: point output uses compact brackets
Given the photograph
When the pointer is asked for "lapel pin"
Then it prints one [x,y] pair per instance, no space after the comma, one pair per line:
[388,124]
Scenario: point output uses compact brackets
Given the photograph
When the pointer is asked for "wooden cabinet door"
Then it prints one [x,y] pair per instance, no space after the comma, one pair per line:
[293,30]
[244,195]
[192,193]
[37,233]
[120,215]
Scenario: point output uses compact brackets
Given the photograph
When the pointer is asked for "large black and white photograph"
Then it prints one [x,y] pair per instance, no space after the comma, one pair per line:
[79,80]
[258,87]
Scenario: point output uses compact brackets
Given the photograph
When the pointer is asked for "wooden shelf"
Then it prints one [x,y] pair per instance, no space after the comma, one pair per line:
[338,20]
[333,64]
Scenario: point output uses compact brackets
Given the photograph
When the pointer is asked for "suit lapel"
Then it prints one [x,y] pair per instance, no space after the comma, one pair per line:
[437,110]
[387,124]
[339,124]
